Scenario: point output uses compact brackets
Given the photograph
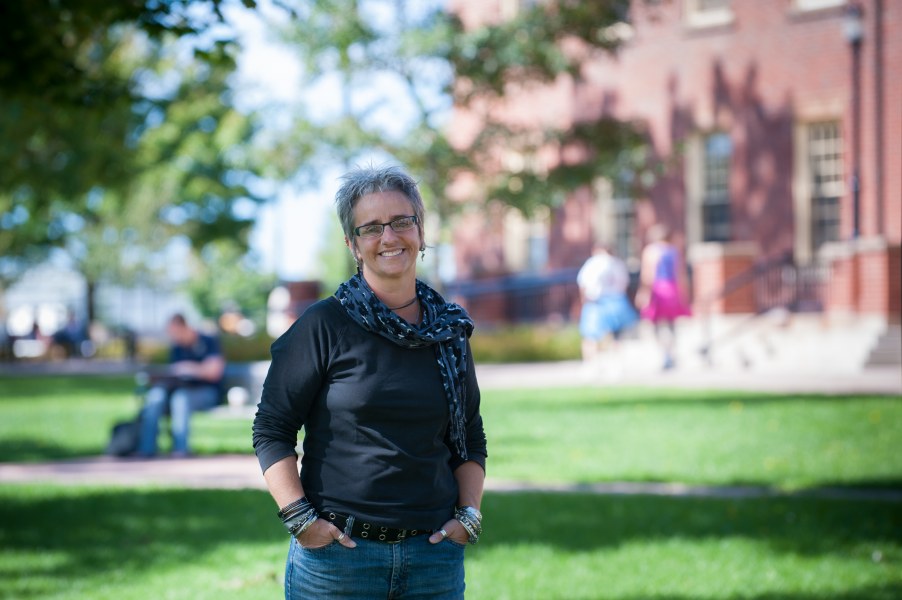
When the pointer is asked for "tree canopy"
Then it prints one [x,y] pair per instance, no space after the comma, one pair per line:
[118,127]
[53,48]
[394,70]
[499,63]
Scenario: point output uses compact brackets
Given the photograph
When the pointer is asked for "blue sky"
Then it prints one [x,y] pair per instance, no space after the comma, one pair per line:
[287,236]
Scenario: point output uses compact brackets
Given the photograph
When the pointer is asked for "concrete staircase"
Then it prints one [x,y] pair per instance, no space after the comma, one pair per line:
[887,351]
[778,342]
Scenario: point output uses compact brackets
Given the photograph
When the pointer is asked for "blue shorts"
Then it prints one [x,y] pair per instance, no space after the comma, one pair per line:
[610,314]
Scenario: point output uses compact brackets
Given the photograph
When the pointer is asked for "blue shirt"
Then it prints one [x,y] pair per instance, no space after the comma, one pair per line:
[204,347]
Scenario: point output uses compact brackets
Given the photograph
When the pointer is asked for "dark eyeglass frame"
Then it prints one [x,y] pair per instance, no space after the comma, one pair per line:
[381,227]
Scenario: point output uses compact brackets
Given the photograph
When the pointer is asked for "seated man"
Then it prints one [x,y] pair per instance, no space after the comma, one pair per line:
[192,382]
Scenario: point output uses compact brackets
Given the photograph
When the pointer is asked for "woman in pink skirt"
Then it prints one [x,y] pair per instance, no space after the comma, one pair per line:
[662,291]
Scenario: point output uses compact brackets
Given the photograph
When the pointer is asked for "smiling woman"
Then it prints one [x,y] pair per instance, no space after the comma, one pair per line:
[381,378]
[385,247]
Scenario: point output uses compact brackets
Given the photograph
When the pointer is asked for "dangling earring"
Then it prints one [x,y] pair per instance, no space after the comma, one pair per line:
[359,264]
[423,254]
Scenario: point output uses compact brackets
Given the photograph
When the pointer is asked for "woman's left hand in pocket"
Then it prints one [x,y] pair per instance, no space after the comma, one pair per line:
[454,530]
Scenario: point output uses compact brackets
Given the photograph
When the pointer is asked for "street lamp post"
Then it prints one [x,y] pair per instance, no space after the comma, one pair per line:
[853,30]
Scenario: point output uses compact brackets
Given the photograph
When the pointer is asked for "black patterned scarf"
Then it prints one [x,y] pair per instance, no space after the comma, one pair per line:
[446,326]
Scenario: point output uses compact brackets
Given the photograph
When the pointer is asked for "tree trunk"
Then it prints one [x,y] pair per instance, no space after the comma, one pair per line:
[90,298]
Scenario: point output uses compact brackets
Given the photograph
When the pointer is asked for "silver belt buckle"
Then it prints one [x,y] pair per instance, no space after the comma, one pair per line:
[401,537]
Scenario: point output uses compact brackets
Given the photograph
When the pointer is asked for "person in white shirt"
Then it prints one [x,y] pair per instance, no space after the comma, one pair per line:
[606,310]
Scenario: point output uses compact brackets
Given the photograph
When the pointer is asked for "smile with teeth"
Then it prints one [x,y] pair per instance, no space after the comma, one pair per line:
[390,253]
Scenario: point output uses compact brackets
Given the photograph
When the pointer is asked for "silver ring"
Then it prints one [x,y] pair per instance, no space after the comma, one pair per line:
[341,536]
[443,532]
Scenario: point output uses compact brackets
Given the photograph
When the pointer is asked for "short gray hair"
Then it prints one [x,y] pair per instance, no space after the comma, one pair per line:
[363,181]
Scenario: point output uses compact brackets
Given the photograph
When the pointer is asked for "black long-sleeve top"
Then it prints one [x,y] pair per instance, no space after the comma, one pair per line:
[375,418]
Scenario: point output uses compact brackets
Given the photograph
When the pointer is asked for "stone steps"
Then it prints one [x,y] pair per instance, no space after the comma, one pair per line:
[778,342]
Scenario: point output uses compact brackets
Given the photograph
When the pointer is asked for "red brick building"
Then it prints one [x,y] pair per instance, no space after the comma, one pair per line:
[762,113]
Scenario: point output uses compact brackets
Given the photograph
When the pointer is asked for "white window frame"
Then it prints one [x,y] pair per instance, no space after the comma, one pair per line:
[704,191]
[808,5]
[609,205]
[698,17]
[803,186]
[694,182]
[525,241]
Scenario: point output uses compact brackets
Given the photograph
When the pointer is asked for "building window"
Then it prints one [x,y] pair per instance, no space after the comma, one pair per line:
[537,250]
[817,4]
[525,240]
[717,152]
[825,165]
[614,218]
[709,5]
[708,13]
[625,242]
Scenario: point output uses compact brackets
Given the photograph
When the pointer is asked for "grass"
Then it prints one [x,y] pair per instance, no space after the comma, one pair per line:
[114,542]
[87,542]
[566,435]
[703,437]
[170,543]
[66,417]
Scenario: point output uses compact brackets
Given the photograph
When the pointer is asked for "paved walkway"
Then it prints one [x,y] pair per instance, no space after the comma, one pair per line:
[243,472]
[790,378]
[794,378]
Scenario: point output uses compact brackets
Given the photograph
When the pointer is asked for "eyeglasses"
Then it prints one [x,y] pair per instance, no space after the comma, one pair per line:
[375,229]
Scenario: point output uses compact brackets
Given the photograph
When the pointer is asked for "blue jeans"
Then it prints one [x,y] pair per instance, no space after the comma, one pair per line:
[181,403]
[412,569]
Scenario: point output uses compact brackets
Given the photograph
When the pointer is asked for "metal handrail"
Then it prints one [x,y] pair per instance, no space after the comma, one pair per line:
[772,292]
[526,297]
[512,283]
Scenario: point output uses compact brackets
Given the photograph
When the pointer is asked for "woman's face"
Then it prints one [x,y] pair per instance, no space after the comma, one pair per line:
[393,255]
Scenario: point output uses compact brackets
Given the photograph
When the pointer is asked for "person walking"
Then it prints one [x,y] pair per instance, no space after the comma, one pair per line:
[606,311]
[662,293]
[381,379]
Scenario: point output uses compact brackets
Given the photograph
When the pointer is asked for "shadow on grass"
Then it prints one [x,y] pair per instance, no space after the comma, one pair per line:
[36,450]
[891,592]
[27,387]
[98,531]
[888,489]
[585,521]
[599,399]
[115,530]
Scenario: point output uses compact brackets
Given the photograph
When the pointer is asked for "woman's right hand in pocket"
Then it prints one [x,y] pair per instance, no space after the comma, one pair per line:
[322,533]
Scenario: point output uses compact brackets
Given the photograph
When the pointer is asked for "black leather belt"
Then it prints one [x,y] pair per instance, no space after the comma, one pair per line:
[369,531]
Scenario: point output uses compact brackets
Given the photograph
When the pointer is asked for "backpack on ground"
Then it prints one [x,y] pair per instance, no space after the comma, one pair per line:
[124,437]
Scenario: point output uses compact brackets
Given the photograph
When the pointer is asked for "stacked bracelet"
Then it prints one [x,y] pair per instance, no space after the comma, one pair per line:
[471,519]
[298,516]
[299,505]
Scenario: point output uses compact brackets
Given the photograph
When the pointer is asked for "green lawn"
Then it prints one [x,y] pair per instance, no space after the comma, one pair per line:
[578,435]
[65,417]
[707,437]
[93,543]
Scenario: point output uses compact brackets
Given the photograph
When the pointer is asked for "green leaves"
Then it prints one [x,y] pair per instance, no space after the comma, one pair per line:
[119,133]
[538,44]
[224,278]
[527,159]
